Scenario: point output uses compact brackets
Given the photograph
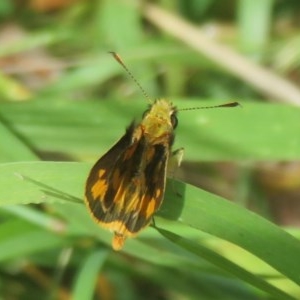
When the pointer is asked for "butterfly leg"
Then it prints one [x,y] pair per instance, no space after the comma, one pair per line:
[173,165]
[174,162]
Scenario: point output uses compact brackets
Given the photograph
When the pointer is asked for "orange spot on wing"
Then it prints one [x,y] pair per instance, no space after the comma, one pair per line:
[130,151]
[101,172]
[150,208]
[99,188]
[158,193]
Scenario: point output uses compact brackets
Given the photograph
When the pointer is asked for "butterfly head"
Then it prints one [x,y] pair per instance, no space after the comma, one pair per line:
[159,120]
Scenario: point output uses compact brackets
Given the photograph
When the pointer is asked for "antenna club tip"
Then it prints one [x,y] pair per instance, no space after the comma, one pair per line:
[232,104]
[116,56]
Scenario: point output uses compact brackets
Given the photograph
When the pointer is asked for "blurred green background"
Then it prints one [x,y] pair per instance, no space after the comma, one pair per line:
[64,101]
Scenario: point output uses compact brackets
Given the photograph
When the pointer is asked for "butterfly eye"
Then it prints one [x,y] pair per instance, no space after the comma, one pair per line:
[174,121]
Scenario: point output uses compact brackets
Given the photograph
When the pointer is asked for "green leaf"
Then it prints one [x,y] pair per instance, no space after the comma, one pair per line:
[76,129]
[87,276]
[18,239]
[12,147]
[31,182]
[254,35]
[225,264]
[126,32]
[48,182]
[218,217]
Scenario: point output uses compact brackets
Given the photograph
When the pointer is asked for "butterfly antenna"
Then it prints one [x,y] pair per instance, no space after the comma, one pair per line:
[120,61]
[231,104]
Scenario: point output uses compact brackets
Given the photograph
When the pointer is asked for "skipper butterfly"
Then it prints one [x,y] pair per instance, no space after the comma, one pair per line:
[126,185]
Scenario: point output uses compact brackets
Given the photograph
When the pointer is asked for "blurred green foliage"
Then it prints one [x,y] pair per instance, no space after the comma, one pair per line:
[64,101]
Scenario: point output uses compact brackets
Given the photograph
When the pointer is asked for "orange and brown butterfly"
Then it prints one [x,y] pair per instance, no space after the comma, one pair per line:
[126,185]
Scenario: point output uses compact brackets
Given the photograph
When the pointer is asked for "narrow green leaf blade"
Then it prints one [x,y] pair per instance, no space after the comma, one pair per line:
[225,264]
[87,276]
